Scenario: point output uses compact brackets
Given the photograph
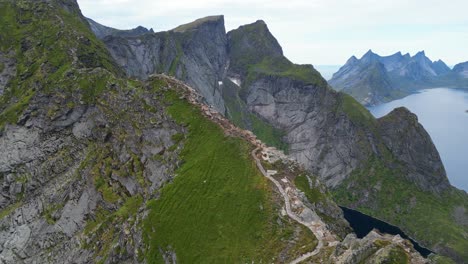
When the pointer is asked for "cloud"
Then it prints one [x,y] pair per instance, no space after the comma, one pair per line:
[312,31]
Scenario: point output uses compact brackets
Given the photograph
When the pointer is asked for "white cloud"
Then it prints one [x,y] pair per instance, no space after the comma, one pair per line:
[312,31]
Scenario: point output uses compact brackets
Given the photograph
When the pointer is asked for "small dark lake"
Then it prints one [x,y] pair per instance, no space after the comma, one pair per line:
[362,224]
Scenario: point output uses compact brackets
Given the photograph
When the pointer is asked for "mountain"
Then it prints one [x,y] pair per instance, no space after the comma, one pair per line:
[373,84]
[102,31]
[376,79]
[183,52]
[292,107]
[461,69]
[100,167]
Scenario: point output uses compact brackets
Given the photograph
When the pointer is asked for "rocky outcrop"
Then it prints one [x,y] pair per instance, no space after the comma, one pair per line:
[48,180]
[412,145]
[195,53]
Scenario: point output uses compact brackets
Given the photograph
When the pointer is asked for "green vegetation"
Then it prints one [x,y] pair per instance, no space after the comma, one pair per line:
[312,194]
[218,208]
[437,259]
[391,197]
[2,67]
[40,36]
[9,209]
[397,255]
[195,24]
[282,67]
[356,112]
[49,211]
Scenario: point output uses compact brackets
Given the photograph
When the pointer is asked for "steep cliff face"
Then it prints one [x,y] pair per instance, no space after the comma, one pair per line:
[121,141]
[340,141]
[296,99]
[195,53]
[413,146]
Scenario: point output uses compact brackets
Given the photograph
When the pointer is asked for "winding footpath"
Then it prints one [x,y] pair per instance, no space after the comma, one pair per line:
[310,225]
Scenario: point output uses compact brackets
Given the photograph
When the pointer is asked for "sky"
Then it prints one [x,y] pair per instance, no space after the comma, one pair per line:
[325,32]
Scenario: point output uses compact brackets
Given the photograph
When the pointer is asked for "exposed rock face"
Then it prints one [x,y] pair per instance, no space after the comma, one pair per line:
[413,146]
[320,138]
[376,79]
[46,167]
[195,53]
[7,69]
[102,31]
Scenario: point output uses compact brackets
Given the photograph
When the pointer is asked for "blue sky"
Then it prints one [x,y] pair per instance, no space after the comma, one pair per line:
[318,32]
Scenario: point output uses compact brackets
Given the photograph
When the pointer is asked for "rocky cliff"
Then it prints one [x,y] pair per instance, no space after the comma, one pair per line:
[292,107]
[376,79]
[408,142]
[337,139]
[97,167]
[194,53]
[102,31]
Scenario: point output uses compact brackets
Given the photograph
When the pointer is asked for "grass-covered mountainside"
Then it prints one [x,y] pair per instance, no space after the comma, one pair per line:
[334,137]
[375,79]
[99,168]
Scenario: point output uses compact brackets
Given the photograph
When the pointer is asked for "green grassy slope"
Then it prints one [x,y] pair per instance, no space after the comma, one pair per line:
[219,208]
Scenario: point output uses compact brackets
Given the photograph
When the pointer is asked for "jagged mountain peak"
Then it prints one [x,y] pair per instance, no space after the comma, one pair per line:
[420,54]
[369,53]
[352,60]
[250,44]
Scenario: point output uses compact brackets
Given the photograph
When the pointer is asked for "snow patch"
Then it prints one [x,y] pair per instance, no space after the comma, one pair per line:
[237,81]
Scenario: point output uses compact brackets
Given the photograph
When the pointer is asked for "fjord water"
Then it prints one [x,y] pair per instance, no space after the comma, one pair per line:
[362,224]
[444,114]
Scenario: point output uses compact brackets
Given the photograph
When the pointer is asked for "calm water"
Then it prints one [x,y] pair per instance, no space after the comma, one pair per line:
[362,224]
[443,112]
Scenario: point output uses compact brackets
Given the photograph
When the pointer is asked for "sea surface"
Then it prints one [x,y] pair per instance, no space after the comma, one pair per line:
[444,114]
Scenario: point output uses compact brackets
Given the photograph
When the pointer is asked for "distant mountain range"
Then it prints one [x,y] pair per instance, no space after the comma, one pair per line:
[376,79]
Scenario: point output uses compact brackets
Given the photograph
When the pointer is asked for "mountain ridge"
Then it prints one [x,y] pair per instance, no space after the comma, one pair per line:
[328,132]
[404,75]
[99,167]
